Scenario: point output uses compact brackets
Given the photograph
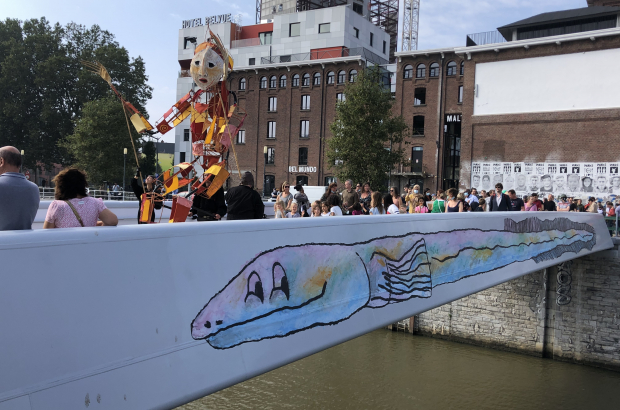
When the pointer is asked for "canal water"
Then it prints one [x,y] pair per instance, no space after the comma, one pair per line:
[387,370]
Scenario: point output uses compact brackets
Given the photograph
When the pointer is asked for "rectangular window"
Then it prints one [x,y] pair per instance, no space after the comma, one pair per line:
[324,28]
[271,129]
[251,61]
[265,38]
[305,102]
[301,180]
[271,156]
[358,8]
[285,58]
[241,137]
[294,30]
[186,134]
[357,32]
[418,125]
[303,156]
[329,180]
[384,44]
[372,39]
[187,41]
[181,157]
[304,129]
[419,97]
[460,93]
[417,154]
[340,97]
[273,104]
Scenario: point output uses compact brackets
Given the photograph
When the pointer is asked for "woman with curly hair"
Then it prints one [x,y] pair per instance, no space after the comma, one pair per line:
[73,207]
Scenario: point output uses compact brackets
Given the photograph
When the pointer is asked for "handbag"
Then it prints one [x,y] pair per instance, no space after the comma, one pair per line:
[75,212]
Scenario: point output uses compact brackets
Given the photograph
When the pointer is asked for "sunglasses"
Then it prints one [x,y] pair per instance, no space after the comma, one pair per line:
[287,186]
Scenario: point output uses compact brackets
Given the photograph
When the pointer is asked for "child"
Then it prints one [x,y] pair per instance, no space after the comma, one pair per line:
[325,209]
[293,213]
[357,209]
[278,210]
[376,204]
[421,208]
[316,208]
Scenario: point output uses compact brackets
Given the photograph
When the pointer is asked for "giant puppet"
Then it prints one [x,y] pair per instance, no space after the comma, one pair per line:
[214,125]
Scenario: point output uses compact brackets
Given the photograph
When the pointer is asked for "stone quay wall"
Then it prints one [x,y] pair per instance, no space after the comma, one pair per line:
[570,312]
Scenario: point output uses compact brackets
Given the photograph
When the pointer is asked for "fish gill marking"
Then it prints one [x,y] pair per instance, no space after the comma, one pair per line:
[390,269]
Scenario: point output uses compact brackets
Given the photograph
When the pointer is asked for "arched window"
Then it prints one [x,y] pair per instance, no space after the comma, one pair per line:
[408,71]
[331,77]
[273,81]
[352,76]
[283,81]
[263,82]
[242,84]
[316,79]
[296,80]
[420,72]
[305,80]
[462,67]
[451,68]
[434,70]
[342,77]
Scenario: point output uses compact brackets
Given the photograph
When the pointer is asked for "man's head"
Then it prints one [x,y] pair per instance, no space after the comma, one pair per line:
[498,178]
[560,180]
[150,179]
[573,182]
[546,180]
[474,191]
[247,179]
[476,180]
[486,180]
[512,194]
[10,160]
[509,180]
[600,182]
[498,188]
[587,182]
[534,180]
[591,199]
[550,197]
[563,198]
[483,193]
[520,180]
[348,184]
[467,192]
[534,195]
[615,181]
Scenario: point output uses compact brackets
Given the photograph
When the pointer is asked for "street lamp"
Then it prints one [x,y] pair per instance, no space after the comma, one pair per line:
[22,164]
[124,162]
[264,177]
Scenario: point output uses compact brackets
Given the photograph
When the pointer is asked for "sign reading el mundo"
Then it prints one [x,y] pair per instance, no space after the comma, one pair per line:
[294,168]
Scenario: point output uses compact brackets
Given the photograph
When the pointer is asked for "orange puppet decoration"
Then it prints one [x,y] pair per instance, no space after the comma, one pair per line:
[214,124]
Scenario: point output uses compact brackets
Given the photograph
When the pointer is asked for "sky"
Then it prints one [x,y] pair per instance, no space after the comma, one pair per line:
[150,29]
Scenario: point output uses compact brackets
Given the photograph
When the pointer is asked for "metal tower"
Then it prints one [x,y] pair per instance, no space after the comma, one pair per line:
[384,13]
[411,21]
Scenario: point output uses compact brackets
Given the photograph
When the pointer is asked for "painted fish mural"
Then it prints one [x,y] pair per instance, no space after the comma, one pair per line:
[290,289]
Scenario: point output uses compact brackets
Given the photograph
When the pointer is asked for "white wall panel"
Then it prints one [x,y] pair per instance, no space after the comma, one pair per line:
[555,83]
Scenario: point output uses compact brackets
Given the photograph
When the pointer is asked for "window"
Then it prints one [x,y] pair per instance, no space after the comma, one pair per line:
[242,84]
[271,129]
[304,129]
[271,156]
[186,134]
[460,93]
[372,38]
[283,81]
[384,44]
[417,154]
[418,125]
[462,67]
[187,41]
[273,81]
[420,71]
[181,157]
[305,102]
[252,61]
[241,137]
[342,77]
[324,28]
[263,82]
[358,8]
[285,58]
[408,71]
[265,38]
[340,97]
[451,68]
[419,97]
[352,76]
[273,104]
[294,30]
[301,180]
[296,80]
[270,183]
[331,77]
[329,180]
[357,32]
[303,156]
[434,71]
[305,80]
[316,79]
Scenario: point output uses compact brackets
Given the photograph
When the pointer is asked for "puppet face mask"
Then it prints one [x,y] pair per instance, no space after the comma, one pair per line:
[207,68]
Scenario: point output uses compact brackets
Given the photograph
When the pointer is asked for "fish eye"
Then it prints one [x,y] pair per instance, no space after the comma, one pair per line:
[255,287]
[211,65]
[197,62]
[280,281]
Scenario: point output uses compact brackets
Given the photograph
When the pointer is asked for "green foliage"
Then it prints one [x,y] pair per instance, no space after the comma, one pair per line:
[44,87]
[149,159]
[366,134]
[98,140]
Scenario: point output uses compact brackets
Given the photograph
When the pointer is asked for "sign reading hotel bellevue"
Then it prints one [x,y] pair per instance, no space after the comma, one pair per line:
[304,168]
[222,18]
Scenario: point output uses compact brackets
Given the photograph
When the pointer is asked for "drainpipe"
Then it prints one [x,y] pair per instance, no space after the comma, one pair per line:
[319,169]
[439,122]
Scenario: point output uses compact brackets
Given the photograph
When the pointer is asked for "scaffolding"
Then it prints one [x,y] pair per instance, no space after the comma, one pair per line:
[304,5]
[411,21]
[384,13]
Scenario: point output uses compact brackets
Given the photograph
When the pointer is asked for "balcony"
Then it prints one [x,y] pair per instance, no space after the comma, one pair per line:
[323,54]
[481,39]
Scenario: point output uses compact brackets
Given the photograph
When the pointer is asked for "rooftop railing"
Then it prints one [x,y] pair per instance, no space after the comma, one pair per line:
[323,54]
[489,37]
[246,42]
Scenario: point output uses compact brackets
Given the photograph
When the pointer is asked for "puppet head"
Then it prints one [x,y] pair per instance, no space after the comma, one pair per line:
[207,66]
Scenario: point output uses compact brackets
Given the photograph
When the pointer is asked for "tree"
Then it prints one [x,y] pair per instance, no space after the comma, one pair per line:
[366,135]
[148,161]
[44,87]
[98,140]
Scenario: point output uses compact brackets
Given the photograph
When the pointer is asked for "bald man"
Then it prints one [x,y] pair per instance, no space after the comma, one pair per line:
[19,198]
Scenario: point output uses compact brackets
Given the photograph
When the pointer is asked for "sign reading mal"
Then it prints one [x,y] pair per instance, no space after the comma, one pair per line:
[453,118]
[294,168]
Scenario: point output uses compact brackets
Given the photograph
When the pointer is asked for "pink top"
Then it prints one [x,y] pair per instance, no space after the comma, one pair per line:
[60,214]
[421,209]
[532,207]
